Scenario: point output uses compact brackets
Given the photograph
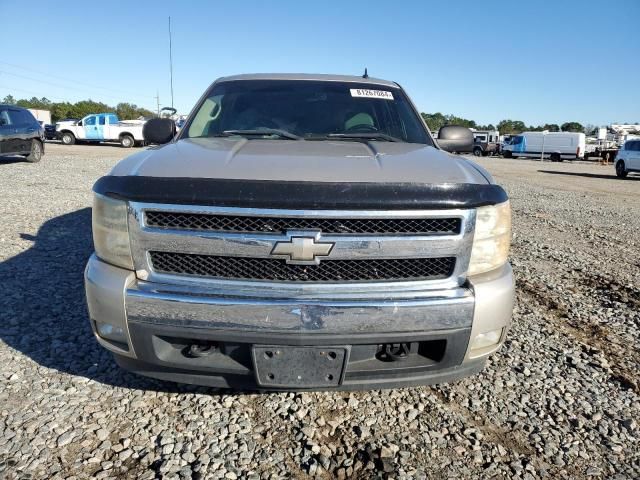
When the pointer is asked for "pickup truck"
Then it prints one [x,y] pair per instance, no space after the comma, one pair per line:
[301,232]
[102,127]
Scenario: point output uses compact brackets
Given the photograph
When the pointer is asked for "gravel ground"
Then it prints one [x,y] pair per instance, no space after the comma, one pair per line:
[560,400]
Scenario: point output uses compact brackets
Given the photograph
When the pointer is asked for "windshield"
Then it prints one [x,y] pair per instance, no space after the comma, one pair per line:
[311,110]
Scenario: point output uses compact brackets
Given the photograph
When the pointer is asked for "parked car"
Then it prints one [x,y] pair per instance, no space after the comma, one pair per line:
[50,131]
[486,142]
[628,158]
[301,232]
[557,146]
[20,133]
[102,127]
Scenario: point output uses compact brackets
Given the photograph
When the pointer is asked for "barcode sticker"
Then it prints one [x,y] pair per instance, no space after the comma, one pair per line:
[359,92]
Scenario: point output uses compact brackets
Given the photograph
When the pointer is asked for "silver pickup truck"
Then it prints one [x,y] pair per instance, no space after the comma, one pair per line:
[301,232]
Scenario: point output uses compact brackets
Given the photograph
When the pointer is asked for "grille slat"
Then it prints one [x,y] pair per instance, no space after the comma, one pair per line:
[247,224]
[245,268]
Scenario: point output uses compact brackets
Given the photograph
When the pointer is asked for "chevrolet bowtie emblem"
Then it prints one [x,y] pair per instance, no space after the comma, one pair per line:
[302,248]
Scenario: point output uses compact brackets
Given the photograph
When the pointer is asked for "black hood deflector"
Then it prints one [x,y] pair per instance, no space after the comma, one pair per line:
[299,195]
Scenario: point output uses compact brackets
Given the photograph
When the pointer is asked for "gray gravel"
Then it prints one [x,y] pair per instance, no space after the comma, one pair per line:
[560,400]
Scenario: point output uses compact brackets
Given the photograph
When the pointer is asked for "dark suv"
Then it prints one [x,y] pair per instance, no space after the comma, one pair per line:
[20,133]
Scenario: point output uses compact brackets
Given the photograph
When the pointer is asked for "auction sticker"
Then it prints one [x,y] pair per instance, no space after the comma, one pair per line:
[359,92]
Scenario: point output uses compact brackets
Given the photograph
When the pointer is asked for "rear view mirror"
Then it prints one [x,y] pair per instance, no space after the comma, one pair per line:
[159,130]
[453,138]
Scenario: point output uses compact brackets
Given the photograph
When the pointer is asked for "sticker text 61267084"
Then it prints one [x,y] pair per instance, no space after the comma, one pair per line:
[360,92]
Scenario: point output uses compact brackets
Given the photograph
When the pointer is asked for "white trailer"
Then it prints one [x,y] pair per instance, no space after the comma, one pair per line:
[557,146]
[102,127]
[43,116]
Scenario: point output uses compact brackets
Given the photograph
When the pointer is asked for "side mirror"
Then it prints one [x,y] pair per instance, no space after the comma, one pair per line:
[159,130]
[79,123]
[453,138]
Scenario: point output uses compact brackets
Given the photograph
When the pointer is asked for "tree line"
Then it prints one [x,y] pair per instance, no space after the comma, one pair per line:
[505,127]
[60,110]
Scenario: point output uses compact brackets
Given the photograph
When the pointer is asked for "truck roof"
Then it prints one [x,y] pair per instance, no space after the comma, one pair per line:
[310,76]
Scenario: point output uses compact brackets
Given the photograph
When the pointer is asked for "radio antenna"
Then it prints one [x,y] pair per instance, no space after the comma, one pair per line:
[366,75]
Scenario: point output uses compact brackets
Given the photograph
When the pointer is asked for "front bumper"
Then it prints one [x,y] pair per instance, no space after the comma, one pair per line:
[159,323]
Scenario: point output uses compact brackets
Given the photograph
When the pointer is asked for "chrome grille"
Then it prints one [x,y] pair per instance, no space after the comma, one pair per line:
[244,268]
[375,252]
[246,224]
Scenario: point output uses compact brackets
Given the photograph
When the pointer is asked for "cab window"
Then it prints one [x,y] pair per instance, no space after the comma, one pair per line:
[90,121]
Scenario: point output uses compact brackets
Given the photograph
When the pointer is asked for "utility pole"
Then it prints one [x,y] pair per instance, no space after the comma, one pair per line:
[170,63]
[158,101]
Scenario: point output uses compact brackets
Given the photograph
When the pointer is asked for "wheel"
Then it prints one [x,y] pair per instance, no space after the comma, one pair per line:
[477,152]
[621,172]
[507,154]
[68,138]
[555,157]
[36,152]
[127,141]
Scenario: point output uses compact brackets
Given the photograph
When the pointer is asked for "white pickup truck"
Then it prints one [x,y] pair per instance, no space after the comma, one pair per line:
[103,127]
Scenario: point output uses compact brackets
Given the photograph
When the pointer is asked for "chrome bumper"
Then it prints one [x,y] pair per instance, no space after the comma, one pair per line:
[116,297]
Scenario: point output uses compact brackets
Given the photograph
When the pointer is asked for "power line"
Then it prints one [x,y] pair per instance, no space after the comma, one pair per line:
[60,99]
[31,92]
[73,80]
[26,77]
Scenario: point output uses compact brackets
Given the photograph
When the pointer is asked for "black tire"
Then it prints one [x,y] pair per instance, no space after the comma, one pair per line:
[507,154]
[36,151]
[555,157]
[67,138]
[127,141]
[477,152]
[621,172]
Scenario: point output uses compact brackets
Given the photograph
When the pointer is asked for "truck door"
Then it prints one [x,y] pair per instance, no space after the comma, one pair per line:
[92,129]
[110,130]
[634,155]
[6,131]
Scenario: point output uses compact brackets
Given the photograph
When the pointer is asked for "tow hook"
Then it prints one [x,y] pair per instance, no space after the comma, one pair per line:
[391,352]
[197,350]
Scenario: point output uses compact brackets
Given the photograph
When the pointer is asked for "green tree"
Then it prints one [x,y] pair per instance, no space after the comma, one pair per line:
[9,100]
[572,127]
[129,111]
[510,127]
[552,127]
[437,120]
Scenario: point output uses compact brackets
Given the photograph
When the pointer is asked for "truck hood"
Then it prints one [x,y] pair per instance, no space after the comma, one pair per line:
[312,161]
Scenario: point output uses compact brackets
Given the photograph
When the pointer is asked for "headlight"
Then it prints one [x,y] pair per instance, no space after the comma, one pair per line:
[492,238]
[111,231]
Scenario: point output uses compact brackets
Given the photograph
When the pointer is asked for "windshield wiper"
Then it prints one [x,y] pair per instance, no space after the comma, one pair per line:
[262,131]
[358,136]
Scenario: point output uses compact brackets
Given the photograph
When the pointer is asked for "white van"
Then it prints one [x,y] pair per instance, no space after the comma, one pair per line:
[557,146]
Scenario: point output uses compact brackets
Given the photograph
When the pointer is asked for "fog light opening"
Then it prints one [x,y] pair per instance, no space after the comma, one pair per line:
[487,339]
[111,332]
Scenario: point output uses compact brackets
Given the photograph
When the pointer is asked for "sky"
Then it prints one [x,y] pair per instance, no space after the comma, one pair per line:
[535,61]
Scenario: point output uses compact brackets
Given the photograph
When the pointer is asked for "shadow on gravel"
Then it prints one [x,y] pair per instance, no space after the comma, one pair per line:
[13,159]
[588,175]
[43,312]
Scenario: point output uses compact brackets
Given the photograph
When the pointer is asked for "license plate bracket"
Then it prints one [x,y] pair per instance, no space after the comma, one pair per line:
[299,367]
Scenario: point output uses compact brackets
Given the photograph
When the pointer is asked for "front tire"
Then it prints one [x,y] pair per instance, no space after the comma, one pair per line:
[36,152]
[477,152]
[507,154]
[127,141]
[621,171]
[68,138]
